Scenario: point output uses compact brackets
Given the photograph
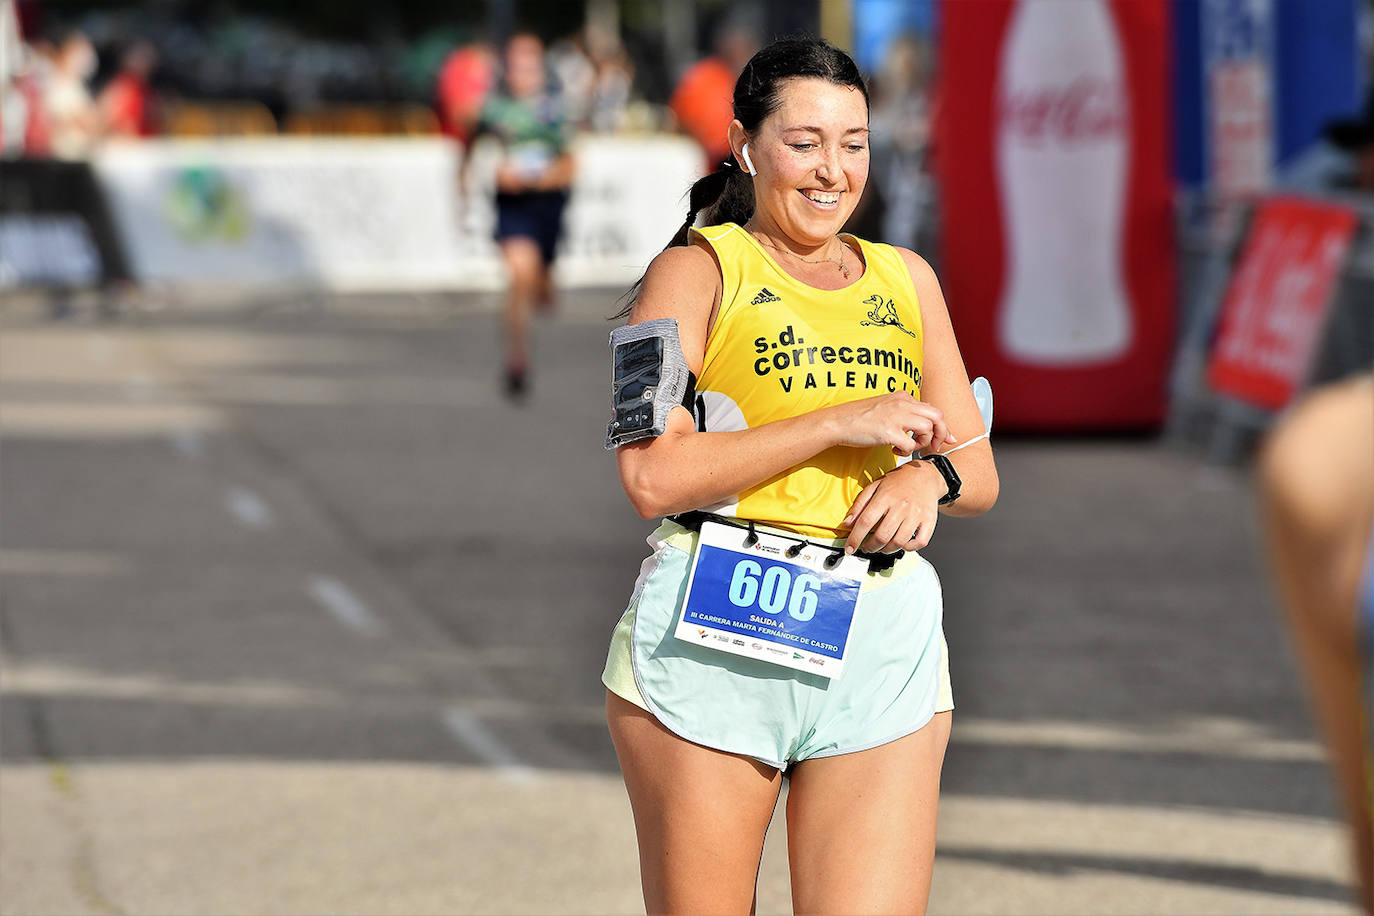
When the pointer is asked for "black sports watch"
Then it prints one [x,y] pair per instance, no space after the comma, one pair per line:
[951,476]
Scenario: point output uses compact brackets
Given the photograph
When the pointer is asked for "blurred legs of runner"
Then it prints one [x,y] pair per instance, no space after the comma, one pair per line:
[701,816]
[526,271]
[1316,480]
[861,826]
[546,300]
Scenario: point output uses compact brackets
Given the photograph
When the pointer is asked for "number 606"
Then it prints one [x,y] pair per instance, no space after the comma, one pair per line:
[776,591]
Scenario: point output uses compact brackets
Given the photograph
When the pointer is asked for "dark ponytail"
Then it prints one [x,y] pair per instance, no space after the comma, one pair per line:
[724,196]
[727,194]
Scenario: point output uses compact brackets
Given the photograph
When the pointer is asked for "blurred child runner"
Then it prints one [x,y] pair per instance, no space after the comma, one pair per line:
[531,191]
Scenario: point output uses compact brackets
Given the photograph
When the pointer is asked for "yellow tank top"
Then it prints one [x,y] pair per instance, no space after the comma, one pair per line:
[780,348]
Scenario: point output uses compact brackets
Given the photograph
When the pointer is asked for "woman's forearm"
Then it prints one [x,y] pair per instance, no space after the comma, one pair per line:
[980,485]
[684,469]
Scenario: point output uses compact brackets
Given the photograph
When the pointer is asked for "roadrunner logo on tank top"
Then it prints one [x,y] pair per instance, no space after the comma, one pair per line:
[780,348]
[884,314]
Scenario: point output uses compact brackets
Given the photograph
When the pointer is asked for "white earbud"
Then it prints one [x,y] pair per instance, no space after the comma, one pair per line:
[747,163]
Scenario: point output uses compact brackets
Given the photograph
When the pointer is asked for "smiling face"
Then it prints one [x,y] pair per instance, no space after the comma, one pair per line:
[812,161]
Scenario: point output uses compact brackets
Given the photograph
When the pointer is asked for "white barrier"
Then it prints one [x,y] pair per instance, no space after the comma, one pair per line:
[375,214]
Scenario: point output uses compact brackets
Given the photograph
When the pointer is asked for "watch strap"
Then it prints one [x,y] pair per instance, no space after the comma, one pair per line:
[951,476]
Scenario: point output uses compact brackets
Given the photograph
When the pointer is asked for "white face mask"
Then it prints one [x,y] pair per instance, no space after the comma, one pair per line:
[982,393]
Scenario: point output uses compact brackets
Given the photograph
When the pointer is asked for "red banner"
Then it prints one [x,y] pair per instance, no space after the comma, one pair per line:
[1057,232]
[1277,299]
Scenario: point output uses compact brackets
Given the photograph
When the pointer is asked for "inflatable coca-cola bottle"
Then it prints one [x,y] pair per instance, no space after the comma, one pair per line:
[1062,149]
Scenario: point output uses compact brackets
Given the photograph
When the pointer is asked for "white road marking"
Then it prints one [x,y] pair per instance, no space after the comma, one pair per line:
[473,735]
[190,442]
[344,605]
[47,680]
[99,347]
[1207,738]
[141,388]
[52,562]
[248,509]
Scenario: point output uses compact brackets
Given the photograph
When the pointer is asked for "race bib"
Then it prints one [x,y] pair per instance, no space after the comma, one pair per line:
[756,600]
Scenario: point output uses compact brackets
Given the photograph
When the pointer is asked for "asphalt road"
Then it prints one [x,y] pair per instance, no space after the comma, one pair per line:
[300,616]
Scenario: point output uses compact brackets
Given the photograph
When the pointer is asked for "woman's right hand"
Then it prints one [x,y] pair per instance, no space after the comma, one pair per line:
[897,420]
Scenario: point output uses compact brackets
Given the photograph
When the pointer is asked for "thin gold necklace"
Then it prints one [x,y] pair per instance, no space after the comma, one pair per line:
[838,261]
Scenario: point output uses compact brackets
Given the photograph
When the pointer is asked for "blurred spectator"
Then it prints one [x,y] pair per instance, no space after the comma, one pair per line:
[14,117]
[14,112]
[73,121]
[575,74]
[127,104]
[613,83]
[531,190]
[36,139]
[222,52]
[24,129]
[465,80]
[900,120]
[703,99]
[595,77]
[1341,159]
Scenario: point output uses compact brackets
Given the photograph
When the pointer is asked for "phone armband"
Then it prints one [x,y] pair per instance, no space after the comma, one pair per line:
[649,377]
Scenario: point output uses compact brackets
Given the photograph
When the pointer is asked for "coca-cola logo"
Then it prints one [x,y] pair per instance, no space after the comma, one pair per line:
[1086,109]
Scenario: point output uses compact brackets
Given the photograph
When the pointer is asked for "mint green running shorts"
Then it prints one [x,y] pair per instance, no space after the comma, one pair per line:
[896,674]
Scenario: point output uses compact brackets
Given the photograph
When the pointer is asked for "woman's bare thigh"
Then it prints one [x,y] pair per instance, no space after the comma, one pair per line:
[700,815]
[861,826]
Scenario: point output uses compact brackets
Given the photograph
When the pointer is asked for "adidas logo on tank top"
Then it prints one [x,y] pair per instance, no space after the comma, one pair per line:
[765,295]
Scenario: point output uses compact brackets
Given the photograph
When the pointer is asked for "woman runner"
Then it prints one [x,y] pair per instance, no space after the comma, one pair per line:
[822,364]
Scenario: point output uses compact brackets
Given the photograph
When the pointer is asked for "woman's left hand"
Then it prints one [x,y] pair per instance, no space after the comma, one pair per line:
[897,511]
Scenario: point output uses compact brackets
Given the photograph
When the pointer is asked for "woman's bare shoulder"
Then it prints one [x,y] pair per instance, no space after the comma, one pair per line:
[682,282]
[919,268]
[928,295]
